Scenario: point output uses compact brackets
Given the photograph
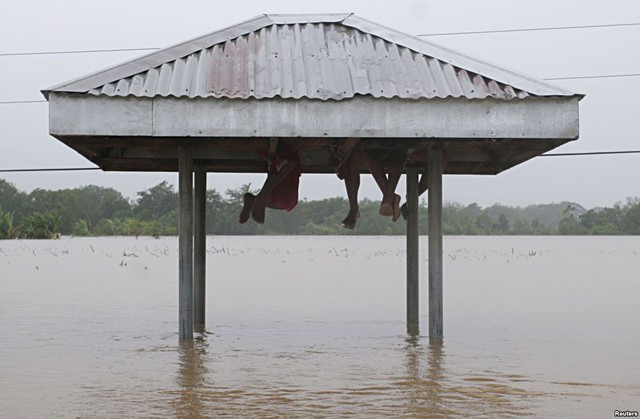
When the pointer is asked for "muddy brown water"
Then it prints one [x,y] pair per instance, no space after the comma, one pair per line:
[314,326]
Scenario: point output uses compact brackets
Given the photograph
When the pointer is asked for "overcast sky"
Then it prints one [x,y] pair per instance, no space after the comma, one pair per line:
[609,115]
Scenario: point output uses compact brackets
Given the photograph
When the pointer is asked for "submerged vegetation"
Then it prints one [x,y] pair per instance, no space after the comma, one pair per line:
[98,211]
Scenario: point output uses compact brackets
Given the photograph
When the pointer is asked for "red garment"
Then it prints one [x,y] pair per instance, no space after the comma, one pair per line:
[285,194]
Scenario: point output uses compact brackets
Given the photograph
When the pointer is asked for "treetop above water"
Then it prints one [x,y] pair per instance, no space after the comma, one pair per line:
[100,211]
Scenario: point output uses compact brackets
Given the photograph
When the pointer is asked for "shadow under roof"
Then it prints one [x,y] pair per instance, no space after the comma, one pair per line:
[309,76]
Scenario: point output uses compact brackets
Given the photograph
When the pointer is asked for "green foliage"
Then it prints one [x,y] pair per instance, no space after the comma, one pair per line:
[631,217]
[93,210]
[13,201]
[156,201]
[570,226]
[90,203]
[81,228]
[604,221]
[503,225]
[107,227]
[570,223]
[41,226]
[6,226]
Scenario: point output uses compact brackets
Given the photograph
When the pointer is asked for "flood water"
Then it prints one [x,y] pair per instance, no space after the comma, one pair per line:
[314,326]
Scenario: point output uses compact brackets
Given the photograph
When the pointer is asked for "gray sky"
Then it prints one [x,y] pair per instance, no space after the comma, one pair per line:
[609,115]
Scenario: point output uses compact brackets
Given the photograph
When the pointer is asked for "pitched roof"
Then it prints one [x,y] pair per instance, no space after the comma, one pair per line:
[327,57]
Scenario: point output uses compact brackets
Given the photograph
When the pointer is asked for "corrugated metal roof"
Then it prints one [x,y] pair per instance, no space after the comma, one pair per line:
[309,56]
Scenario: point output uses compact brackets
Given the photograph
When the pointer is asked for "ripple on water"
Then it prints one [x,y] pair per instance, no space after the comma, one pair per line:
[83,336]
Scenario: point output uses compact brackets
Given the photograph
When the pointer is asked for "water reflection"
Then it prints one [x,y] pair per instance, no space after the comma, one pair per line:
[297,347]
[190,401]
[436,387]
[424,381]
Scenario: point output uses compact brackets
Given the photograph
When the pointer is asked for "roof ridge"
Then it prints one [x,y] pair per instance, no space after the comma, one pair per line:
[302,18]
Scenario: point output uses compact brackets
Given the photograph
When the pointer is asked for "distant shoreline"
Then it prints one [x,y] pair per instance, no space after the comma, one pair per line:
[97,211]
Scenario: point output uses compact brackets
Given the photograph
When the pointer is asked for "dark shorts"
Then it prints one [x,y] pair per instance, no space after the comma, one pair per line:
[285,195]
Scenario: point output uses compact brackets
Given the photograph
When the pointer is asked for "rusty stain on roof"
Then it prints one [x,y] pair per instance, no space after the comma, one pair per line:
[325,57]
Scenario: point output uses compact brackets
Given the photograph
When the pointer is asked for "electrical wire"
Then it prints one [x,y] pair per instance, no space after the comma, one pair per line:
[591,153]
[602,76]
[55,169]
[553,28]
[20,102]
[86,51]
[68,169]
[20,54]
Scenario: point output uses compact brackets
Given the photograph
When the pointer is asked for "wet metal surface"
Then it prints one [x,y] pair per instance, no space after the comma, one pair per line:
[309,56]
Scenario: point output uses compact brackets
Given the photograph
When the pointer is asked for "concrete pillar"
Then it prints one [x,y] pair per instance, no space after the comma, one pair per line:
[413,252]
[434,171]
[185,242]
[199,248]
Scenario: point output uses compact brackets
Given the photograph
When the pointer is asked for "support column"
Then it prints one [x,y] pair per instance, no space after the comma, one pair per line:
[185,243]
[199,248]
[434,171]
[413,252]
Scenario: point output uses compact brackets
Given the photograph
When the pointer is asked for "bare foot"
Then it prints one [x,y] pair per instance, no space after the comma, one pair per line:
[352,218]
[404,211]
[396,207]
[247,204]
[386,207]
[258,209]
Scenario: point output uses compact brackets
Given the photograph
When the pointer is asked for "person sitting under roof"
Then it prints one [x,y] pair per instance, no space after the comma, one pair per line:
[280,189]
[347,169]
[393,162]
[349,173]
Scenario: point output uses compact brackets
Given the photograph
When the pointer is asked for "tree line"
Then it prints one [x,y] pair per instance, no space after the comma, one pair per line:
[99,211]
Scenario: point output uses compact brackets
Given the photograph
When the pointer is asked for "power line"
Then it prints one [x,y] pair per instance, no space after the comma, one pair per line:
[56,169]
[591,153]
[86,51]
[554,28]
[602,76]
[20,102]
[70,169]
